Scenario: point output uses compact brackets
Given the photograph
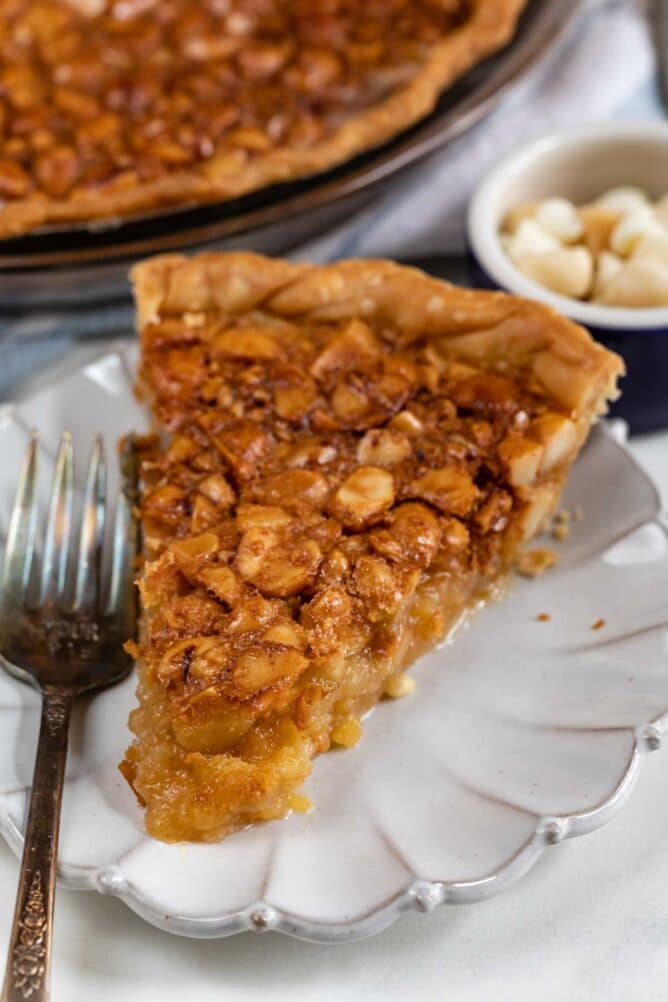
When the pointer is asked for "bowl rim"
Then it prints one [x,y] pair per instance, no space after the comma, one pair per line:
[483,236]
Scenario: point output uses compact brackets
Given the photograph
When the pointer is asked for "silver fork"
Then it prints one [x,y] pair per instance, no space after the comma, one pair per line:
[61,631]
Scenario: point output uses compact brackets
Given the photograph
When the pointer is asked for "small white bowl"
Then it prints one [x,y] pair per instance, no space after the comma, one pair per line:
[579,164]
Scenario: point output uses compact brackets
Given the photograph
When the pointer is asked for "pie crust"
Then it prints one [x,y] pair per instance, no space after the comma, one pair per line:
[109,109]
[356,453]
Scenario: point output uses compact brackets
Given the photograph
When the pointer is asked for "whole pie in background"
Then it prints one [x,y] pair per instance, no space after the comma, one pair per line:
[110,108]
[351,458]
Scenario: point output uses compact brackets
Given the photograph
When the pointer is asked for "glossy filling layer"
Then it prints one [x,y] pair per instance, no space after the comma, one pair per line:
[327,506]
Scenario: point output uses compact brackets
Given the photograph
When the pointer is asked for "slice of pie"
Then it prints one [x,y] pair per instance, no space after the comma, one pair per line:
[356,453]
[113,107]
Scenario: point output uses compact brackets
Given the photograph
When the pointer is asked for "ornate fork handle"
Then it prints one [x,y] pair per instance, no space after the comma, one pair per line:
[28,964]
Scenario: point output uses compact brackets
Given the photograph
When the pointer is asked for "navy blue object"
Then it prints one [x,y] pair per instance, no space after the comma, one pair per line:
[644,400]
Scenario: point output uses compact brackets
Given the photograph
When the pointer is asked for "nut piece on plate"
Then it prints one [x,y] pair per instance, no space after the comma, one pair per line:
[613,251]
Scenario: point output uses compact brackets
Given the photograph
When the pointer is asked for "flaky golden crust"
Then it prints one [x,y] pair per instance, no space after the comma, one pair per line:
[490,26]
[518,336]
[357,454]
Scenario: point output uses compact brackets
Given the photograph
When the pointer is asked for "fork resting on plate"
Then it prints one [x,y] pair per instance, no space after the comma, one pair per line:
[62,631]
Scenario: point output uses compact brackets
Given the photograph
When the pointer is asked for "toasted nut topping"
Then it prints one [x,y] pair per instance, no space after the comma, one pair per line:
[493,515]
[296,487]
[558,436]
[217,489]
[351,349]
[194,660]
[258,667]
[521,458]
[325,616]
[193,551]
[254,547]
[288,633]
[247,343]
[539,504]
[349,403]
[414,535]
[383,447]
[382,587]
[167,504]
[449,489]
[242,446]
[57,169]
[363,497]
[204,514]
[407,423]
[275,566]
[252,615]
[294,402]
[180,450]
[456,534]
[250,516]
[14,182]
[486,394]
[221,582]
[335,566]
[310,451]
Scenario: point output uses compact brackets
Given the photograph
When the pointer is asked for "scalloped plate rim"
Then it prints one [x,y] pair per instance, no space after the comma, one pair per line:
[417,894]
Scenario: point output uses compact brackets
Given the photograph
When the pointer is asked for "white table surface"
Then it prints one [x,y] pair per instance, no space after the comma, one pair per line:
[589,922]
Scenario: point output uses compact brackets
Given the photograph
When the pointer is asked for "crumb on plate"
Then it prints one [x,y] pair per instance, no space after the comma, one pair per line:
[561,531]
[535,562]
[300,803]
[347,733]
[399,685]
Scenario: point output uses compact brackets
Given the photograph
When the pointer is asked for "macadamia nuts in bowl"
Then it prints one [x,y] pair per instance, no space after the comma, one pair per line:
[579,220]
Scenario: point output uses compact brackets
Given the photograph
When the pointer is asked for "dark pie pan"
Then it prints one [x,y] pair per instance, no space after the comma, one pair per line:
[79,265]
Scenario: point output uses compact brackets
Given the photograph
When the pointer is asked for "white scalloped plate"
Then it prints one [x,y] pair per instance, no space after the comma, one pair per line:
[519,734]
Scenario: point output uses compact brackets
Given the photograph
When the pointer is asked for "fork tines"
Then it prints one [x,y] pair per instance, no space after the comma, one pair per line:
[71,582]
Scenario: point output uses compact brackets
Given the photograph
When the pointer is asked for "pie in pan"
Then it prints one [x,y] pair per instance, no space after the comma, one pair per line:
[110,108]
[351,457]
